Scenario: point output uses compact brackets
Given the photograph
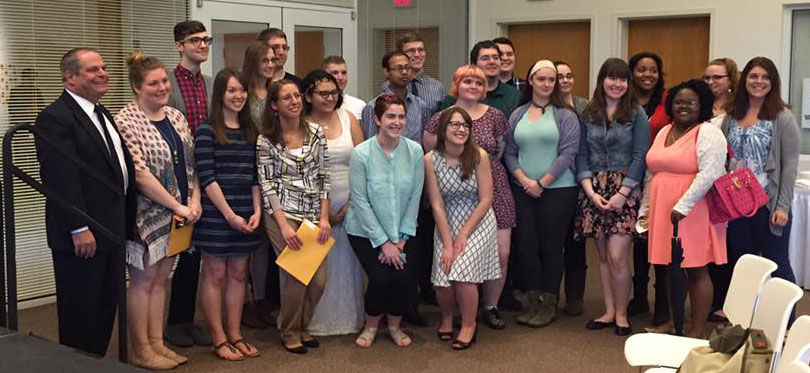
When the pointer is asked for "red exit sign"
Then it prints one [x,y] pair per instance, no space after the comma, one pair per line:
[402,3]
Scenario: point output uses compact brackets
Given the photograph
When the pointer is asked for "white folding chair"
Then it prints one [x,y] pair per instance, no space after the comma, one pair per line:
[776,302]
[652,349]
[796,366]
[797,346]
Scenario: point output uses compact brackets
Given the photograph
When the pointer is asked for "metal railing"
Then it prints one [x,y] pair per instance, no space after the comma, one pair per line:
[8,275]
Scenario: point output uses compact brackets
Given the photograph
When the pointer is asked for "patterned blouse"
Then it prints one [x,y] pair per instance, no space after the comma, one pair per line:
[752,145]
[296,180]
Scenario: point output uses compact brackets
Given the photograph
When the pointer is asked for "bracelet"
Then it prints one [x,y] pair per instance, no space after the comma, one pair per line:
[619,192]
[540,184]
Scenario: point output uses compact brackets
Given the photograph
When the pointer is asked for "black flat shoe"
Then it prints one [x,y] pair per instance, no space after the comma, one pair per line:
[493,319]
[296,350]
[713,317]
[312,343]
[623,330]
[444,336]
[459,345]
[598,325]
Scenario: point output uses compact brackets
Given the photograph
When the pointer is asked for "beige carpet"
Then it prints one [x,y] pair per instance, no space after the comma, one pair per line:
[564,346]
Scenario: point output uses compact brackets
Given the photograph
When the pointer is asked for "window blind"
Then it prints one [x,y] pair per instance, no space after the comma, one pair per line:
[36,33]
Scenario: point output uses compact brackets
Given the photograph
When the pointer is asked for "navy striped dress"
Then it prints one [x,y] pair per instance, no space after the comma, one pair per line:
[233,167]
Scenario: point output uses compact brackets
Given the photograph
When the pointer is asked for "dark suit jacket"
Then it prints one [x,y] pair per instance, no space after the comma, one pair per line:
[69,127]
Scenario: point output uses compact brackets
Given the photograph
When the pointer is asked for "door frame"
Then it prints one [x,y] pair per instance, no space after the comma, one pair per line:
[340,18]
[500,27]
[225,11]
[621,26]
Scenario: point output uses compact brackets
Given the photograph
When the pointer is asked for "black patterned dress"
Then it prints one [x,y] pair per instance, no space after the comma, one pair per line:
[479,261]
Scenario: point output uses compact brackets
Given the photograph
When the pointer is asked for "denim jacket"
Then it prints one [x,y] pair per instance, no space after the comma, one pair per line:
[623,147]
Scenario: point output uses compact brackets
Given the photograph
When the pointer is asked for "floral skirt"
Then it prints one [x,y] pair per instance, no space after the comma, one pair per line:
[593,222]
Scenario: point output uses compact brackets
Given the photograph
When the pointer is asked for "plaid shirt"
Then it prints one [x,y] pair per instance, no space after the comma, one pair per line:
[192,88]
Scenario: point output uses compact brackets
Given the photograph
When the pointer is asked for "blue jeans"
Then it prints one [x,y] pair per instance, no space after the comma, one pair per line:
[753,236]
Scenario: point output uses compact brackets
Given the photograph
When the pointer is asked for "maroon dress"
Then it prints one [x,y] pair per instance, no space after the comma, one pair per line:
[485,132]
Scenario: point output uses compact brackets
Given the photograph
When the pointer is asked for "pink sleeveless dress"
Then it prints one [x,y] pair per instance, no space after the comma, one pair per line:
[674,167]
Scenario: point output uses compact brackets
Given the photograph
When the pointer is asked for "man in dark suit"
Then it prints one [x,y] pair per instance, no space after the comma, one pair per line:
[87,265]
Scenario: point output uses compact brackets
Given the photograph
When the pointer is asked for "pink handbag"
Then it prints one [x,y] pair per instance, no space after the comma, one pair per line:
[735,195]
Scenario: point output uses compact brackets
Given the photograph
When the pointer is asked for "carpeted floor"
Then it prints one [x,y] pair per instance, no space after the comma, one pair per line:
[564,346]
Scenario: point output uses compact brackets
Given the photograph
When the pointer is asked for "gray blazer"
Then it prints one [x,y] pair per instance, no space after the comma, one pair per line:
[176,98]
[782,163]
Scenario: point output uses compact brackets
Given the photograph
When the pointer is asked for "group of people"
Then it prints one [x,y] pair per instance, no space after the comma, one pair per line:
[421,192]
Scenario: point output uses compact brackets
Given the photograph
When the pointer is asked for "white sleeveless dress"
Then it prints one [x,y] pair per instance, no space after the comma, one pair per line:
[340,310]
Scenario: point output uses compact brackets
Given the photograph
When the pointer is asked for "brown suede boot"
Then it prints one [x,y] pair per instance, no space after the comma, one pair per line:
[547,311]
[533,300]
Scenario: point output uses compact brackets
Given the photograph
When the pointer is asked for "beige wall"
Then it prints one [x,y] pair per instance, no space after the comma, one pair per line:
[740,29]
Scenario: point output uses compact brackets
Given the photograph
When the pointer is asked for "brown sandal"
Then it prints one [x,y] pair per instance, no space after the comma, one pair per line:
[233,349]
[248,347]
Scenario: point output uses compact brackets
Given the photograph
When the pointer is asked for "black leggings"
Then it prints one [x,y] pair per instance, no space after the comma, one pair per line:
[389,290]
[541,231]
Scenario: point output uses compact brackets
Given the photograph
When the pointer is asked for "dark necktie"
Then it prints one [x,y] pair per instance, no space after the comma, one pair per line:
[110,145]
[414,91]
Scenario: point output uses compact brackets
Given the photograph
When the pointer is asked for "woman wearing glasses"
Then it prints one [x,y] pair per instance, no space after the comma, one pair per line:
[465,249]
[293,170]
[340,310]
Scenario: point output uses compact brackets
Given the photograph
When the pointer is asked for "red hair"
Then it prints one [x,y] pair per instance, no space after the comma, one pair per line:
[468,71]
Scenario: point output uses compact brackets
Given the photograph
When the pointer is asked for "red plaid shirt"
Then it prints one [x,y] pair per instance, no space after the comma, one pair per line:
[192,88]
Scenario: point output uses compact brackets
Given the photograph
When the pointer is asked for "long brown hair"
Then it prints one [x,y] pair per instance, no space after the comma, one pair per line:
[217,118]
[254,54]
[271,125]
[773,101]
[469,155]
[597,108]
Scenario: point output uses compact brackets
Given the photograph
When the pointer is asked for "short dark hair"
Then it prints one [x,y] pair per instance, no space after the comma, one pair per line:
[332,60]
[484,44]
[312,80]
[503,40]
[773,101]
[705,97]
[186,28]
[390,55]
[70,60]
[270,33]
[408,37]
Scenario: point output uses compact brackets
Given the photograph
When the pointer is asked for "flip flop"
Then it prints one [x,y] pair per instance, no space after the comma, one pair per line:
[248,347]
[233,349]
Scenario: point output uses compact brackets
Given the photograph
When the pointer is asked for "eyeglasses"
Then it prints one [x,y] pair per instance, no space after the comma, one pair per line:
[276,47]
[290,97]
[400,68]
[198,41]
[457,125]
[568,76]
[708,78]
[414,51]
[489,57]
[689,103]
[326,94]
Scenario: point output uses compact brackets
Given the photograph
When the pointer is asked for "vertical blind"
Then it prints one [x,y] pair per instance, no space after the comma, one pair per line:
[35,34]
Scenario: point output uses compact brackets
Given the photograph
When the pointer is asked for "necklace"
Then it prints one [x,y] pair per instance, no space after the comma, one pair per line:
[541,107]
[169,137]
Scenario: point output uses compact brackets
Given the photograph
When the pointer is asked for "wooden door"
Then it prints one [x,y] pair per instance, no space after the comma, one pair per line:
[234,51]
[682,43]
[566,41]
[308,51]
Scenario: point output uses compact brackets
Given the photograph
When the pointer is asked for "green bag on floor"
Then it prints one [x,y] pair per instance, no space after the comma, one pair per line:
[753,356]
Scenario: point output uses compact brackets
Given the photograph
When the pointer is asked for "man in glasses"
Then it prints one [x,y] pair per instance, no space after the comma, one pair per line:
[191,94]
[428,89]
[277,40]
[486,55]
[396,68]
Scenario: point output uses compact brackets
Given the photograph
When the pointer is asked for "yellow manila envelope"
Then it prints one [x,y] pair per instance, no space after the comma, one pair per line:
[180,236]
[303,263]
